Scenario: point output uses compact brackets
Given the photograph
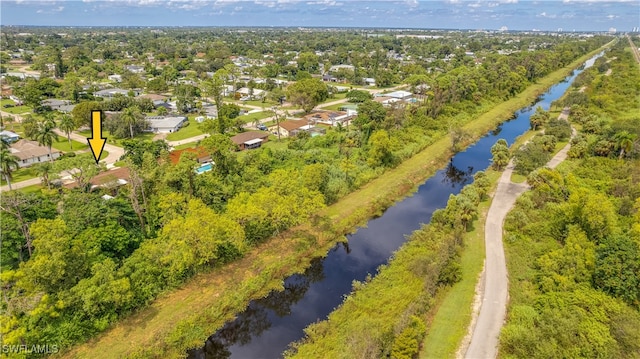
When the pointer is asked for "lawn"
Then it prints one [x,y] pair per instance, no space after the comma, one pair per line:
[335,97]
[250,118]
[118,142]
[186,145]
[62,144]
[15,109]
[186,132]
[20,175]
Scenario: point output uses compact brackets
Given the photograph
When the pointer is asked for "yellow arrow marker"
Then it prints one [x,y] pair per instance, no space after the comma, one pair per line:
[96,141]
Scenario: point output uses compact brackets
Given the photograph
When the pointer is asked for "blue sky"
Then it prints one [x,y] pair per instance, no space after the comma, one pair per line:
[580,15]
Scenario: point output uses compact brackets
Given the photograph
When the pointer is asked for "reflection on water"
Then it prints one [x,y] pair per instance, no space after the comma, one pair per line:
[255,319]
[457,177]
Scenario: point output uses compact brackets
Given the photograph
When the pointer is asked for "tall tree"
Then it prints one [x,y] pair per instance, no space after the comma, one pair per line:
[45,171]
[131,116]
[624,141]
[46,134]
[8,163]
[307,93]
[67,124]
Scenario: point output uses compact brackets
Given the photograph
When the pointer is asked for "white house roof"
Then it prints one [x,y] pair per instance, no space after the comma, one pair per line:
[9,134]
[254,141]
[165,122]
[399,94]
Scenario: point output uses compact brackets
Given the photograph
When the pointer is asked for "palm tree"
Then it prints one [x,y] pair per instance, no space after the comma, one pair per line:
[44,170]
[46,135]
[130,116]
[8,162]
[625,142]
[67,125]
[162,111]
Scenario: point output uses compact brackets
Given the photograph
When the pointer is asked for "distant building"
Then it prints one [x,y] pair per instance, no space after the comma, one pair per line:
[9,137]
[109,93]
[58,105]
[115,78]
[136,69]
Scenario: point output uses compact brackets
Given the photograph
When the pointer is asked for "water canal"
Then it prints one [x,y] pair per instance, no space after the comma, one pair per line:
[268,325]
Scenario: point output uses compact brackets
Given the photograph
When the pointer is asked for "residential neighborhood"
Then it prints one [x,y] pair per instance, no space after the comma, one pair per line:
[317,192]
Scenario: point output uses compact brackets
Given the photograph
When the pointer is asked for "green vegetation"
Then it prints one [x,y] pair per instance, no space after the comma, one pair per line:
[12,108]
[386,315]
[452,311]
[169,224]
[573,242]
[252,117]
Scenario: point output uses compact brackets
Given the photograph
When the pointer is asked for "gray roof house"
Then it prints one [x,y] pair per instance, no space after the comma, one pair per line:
[58,105]
[9,136]
[165,124]
[109,93]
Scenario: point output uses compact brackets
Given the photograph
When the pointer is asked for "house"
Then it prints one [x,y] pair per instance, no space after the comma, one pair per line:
[113,178]
[115,78]
[335,68]
[135,69]
[201,155]
[31,152]
[250,139]
[165,124]
[161,103]
[329,78]
[369,81]
[58,105]
[332,118]
[9,137]
[288,127]
[400,95]
[250,94]
[110,179]
[385,100]
[109,93]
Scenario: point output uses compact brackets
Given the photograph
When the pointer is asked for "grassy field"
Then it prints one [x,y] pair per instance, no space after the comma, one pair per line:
[186,132]
[14,109]
[249,118]
[20,175]
[118,142]
[62,144]
[184,317]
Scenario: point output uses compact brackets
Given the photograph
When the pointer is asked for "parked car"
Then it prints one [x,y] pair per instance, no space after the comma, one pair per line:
[262,127]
